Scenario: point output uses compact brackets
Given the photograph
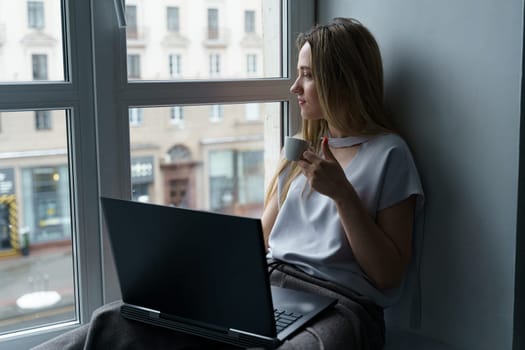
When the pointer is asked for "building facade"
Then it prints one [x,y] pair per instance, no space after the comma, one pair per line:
[200,156]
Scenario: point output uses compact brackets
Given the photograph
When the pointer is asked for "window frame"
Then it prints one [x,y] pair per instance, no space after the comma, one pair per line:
[99,97]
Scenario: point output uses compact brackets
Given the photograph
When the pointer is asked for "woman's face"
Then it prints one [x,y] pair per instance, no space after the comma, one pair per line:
[304,86]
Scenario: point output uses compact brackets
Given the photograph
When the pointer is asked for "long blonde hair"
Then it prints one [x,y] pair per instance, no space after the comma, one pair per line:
[348,74]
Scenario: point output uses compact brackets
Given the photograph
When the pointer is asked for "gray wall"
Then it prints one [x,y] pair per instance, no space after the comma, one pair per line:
[453,81]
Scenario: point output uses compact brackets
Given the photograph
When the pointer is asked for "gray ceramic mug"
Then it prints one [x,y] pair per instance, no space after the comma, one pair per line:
[294,148]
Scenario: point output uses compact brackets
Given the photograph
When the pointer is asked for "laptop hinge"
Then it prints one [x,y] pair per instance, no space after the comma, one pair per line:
[235,333]
[151,313]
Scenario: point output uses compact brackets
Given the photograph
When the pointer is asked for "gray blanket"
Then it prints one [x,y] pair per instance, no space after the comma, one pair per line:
[353,323]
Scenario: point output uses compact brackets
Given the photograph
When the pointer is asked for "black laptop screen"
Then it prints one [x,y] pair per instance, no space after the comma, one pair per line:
[193,264]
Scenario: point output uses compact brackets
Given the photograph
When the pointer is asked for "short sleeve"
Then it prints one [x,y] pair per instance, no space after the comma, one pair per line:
[400,177]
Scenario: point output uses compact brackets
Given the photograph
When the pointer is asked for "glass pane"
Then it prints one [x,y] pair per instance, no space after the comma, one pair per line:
[201,39]
[31,41]
[36,265]
[212,157]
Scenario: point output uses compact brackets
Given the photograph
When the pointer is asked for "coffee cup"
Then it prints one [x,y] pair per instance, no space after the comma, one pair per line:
[294,148]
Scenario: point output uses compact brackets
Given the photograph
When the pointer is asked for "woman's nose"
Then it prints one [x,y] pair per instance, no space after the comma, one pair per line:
[295,88]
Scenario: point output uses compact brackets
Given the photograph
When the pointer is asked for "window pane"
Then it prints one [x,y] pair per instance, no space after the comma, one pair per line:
[213,157]
[201,40]
[31,41]
[36,262]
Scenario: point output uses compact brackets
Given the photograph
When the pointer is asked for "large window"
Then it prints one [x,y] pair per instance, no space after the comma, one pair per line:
[48,172]
[123,106]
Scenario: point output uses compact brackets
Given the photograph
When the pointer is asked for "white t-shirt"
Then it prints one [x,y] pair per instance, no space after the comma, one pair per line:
[309,234]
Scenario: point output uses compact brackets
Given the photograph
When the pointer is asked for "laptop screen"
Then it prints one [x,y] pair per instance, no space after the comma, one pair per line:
[197,265]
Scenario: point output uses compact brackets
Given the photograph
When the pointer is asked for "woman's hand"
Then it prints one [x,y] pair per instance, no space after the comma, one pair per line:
[326,176]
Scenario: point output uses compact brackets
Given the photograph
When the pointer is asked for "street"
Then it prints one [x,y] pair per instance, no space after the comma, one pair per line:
[38,276]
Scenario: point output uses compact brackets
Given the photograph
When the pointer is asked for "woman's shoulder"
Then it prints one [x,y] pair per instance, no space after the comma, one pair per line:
[388,141]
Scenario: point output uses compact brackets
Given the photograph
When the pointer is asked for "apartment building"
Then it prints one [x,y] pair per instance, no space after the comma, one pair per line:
[203,156]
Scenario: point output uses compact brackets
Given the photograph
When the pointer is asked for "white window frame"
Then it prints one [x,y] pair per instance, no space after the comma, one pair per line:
[99,96]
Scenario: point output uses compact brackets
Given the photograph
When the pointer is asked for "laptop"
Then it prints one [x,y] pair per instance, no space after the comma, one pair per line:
[202,273]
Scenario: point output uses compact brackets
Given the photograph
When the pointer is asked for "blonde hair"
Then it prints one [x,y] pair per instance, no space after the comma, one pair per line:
[348,74]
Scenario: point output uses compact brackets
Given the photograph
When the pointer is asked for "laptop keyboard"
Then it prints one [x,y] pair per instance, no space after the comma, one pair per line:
[284,319]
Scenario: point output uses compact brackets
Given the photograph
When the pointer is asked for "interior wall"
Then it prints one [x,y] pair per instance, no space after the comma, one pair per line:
[453,83]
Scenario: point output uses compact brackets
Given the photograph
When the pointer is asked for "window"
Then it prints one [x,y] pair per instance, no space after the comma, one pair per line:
[236,179]
[136,117]
[39,63]
[249,21]
[213,24]
[251,64]
[42,120]
[35,14]
[131,22]
[36,231]
[215,64]
[177,116]
[175,63]
[252,111]
[216,113]
[173,19]
[134,66]
[52,180]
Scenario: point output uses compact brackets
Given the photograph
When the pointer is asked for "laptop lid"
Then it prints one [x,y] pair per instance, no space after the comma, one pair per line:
[207,268]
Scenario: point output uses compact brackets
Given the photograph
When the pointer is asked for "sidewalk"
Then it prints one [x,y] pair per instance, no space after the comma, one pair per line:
[49,269]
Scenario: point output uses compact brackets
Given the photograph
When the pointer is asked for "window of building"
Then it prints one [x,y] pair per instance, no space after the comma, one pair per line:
[136,116]
[215,64]
[39,64]
[175,64]
[249,21]
[43,120]
[216,113]
[251,64]
[35,14]
[252,111]
[236,179]
[213,23]
[131,22]
[134,66]
[177,116]
[173,19]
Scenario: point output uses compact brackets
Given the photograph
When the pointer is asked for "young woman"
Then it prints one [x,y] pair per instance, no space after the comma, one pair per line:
[340,220]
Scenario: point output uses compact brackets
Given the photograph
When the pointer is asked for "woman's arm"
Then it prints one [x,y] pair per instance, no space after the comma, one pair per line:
[381,247]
